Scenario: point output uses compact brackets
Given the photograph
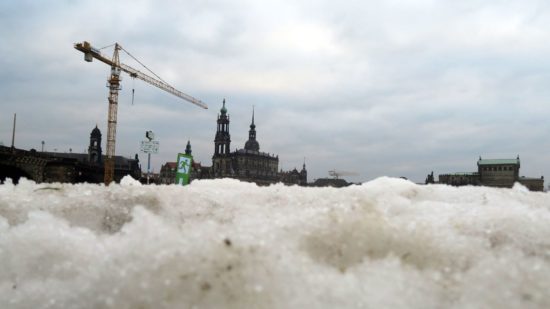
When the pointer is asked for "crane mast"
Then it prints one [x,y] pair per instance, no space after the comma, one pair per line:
[114,86]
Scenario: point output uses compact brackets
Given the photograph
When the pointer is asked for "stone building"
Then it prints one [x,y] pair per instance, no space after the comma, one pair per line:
[64,166]
[498,172]
[460,179]
[167,174]
[90,165]
[94,149]
[502,173]
[294,177]
[532,183]
[248,163]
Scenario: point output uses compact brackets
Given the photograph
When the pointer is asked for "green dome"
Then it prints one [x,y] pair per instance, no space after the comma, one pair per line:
[223,110]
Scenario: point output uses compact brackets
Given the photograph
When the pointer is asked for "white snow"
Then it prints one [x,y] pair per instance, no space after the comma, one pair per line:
[226,244]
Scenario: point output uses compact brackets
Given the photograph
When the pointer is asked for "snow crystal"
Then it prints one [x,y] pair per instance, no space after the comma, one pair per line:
[224,243]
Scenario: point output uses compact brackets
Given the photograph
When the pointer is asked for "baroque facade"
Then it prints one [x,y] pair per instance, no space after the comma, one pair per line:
[245,164]
[248,163]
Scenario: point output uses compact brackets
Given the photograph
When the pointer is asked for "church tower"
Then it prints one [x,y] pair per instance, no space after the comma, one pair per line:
[188,150]
[223,139]
[303,174]
[221,161]
[252,144]
[94,150]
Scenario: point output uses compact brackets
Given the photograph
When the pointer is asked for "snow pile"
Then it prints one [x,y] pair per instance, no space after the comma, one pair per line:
[225,244]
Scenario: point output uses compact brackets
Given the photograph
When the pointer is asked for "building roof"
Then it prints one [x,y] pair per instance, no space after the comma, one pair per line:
[530,178]
[252,145]
[331,182]
[257,153]
[83,157]
[497,161]
[96,132]
[461,174]
[171,164]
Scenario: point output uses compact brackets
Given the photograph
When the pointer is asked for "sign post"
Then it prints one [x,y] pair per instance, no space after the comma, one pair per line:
[183,169]
[149,147]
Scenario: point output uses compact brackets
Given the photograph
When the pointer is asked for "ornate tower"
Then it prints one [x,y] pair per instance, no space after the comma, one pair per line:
[221,161]
[303,174]
[223,139]
[252,144]
[188,148]
[94,150]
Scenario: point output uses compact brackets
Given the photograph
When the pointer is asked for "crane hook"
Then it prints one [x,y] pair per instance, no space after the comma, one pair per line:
[133,88]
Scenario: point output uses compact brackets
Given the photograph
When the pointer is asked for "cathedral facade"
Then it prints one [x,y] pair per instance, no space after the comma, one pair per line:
[248,163]
[245,164]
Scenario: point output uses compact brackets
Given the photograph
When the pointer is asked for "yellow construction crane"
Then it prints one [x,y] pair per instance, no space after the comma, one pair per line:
[114,86]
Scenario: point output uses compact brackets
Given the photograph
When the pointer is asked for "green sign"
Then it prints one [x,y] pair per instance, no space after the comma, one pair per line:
[184,169]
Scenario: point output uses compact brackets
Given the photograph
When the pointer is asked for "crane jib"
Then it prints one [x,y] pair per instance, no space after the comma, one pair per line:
[91,52]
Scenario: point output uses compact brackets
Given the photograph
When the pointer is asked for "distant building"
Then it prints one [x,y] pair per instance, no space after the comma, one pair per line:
[168,170]
[502,173]
[498,172]
[294,177]
[90,165]
[460,179]
[331,182]
[167,173]
[64,167]
[246,164]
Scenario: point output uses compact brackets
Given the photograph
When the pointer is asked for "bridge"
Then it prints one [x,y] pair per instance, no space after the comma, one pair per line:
[16,163]
[60,167]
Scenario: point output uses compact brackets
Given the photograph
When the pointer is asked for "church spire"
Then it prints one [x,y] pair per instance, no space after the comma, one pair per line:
[252,125]
[222,139]
[303,174]
[223,110]
[252,144]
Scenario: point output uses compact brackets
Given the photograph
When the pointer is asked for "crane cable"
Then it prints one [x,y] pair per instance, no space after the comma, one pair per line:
[142,64]
[107,46]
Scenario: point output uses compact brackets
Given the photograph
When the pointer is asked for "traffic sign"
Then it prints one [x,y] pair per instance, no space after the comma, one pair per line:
[150,146]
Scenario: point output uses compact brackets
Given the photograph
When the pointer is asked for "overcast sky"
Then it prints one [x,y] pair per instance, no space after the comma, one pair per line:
[395,88]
